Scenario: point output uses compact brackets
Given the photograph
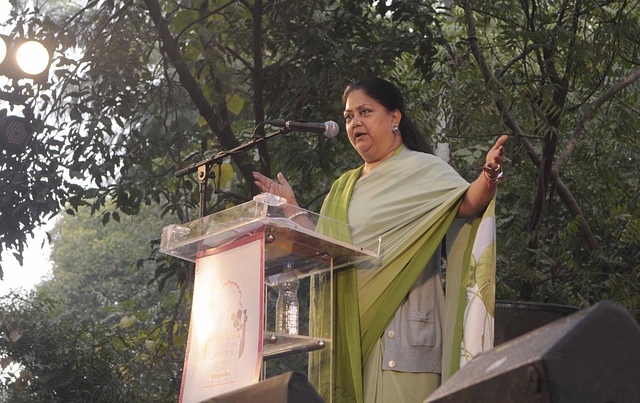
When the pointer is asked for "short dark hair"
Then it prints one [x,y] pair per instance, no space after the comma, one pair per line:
[388,95]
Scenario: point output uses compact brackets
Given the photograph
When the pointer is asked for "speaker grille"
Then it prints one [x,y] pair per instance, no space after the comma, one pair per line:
[513,319]
[590,356]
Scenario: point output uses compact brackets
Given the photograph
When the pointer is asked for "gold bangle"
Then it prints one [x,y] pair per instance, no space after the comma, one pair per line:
[493,180]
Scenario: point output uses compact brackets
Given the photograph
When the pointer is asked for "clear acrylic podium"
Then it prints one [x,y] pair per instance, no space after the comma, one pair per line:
[239,254]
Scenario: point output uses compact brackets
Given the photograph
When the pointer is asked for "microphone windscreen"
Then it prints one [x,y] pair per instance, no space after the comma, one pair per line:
[332,129]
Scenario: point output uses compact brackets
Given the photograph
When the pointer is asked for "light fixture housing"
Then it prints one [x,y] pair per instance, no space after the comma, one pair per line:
[3,49]
[15,133]
[24,58]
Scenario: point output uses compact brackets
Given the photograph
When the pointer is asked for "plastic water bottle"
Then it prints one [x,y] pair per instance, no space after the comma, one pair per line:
[287,305]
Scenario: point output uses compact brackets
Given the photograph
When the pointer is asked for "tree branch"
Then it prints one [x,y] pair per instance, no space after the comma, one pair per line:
[513,61]
[586,116]
[235,54]
[81,11]
[563,190]
[565,194]
[170,47]
[204,17]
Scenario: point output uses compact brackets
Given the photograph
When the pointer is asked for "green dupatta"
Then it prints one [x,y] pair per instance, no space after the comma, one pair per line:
[431,192]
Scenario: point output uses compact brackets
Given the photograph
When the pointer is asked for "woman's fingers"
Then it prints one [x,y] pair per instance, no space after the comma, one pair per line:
[261,181]
[282,189]
[495,156]
[500,142]
[282,180]
[285,189]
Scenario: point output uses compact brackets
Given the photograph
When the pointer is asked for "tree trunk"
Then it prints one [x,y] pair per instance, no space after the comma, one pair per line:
[258,85]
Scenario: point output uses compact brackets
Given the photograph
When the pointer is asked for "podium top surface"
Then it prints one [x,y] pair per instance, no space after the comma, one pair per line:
[285,239]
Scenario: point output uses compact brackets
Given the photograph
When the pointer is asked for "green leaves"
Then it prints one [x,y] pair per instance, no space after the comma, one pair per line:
[471,155]
[222,174]
[235,104]
[126,321]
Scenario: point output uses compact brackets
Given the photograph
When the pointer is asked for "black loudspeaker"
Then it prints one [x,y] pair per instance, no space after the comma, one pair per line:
[513,319]
[290,387]
[590,356]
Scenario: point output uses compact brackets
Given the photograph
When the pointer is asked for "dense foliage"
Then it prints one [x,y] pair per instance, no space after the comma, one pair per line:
[96,331]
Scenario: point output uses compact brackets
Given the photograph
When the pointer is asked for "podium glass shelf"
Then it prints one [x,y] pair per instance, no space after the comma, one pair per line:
[277,345]
[286,240]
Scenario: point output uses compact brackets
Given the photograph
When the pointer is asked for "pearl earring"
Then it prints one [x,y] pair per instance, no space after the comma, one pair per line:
[395,129]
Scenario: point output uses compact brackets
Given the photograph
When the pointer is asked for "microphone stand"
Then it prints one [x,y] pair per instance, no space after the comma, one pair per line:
[204,167]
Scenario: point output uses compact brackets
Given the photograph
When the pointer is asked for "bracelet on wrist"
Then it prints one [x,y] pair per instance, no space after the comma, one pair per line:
[298,214]
[492,180]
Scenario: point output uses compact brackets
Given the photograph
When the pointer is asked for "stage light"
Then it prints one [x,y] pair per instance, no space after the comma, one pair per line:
[15,132]
[24,58]
[32,57]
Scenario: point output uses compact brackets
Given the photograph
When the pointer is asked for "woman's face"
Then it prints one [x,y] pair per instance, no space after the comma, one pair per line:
[370,127]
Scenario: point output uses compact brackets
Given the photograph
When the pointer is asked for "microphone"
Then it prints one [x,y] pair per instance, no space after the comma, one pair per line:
[329,129]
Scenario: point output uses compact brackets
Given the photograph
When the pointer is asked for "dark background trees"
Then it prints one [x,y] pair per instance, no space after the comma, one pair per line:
[142,89]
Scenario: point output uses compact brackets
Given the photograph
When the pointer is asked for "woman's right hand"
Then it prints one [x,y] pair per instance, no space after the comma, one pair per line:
[282,189]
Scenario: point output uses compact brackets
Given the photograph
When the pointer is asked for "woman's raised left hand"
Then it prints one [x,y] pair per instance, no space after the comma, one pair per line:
[495,156]
[483,189]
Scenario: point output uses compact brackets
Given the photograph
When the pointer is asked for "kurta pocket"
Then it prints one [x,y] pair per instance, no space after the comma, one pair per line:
[421,330]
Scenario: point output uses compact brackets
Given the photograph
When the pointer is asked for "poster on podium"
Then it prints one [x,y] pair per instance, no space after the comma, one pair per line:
[224,351]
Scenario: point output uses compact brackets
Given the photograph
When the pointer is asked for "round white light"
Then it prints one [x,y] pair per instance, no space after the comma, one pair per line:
[3,49]
[32,57]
